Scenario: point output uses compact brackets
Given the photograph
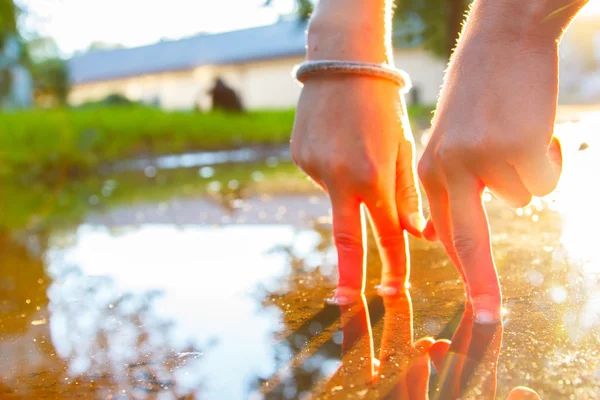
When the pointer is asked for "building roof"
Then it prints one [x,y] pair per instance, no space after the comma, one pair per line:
[285,38]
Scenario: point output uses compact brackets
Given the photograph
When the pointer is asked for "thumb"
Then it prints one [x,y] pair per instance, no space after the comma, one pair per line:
[408,195]
[540,172]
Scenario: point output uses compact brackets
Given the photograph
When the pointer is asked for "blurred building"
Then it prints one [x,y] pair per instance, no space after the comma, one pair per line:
[256,63]
[580,61]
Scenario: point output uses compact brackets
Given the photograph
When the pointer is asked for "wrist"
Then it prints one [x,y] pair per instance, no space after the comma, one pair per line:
[534,23]
[351,30]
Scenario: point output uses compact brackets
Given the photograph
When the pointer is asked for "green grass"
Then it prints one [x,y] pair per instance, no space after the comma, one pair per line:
[76,142]
[87,138]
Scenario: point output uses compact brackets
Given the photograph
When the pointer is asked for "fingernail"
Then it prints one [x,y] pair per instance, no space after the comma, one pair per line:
[387,290]
[417,221]
[555,152]
[486,318]
[339,301]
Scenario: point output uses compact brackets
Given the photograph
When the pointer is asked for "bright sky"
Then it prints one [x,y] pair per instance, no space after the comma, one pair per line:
[74,24]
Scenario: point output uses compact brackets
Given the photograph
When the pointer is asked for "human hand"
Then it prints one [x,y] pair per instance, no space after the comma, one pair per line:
[353,138]
[403,368]
[467,365]
[493,128]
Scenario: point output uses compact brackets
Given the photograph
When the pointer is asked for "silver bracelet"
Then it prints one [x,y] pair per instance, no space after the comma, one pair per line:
[327,67]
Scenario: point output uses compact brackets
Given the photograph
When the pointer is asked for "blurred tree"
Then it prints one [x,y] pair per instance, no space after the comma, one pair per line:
[8,26]
[97,46]
[8,19]
[51,82]
[434,23]
[49,72]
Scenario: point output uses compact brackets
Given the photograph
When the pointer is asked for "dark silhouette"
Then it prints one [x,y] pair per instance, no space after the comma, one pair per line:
[225,98]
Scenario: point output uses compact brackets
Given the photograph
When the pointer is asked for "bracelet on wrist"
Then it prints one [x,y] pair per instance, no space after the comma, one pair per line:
[332,67]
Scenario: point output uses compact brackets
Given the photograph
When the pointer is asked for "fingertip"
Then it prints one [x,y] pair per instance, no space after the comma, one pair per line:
[429,232]
[438,352]
[344,296]
[523,393]
[555,151]
[418,221]
[423,345]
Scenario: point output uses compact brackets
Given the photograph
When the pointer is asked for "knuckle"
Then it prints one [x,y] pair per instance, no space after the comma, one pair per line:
[296,157]
[425,168]
[348,243]
[363,175]
[408,194]
[391,241]
[464,245]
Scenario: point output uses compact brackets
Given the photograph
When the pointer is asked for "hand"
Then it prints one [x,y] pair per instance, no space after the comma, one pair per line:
[467,365]
[492,128]
[352,137]
[403,368]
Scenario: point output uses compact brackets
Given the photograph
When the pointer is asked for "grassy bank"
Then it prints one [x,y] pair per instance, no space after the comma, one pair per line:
[86,138]
[78,141]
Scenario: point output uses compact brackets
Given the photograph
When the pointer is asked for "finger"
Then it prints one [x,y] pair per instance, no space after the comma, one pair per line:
[397,352]
[357,344]
[438,352]
[429,232]
[408,195]
[540,170]
[480,367]
[348,236]
[417,378]
[505,184]
[397,337]
[523,393]
[471,242]
[439,224]
[392,243]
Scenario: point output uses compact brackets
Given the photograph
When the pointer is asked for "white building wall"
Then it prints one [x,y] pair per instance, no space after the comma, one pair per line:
[425,70]
[270,85]
[261,85]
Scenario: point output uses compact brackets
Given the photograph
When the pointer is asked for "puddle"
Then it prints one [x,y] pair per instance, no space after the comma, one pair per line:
[211,284]
[204,159]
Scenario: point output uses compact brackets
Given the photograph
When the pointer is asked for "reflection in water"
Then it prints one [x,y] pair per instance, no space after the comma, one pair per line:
[210,283]
[185,290]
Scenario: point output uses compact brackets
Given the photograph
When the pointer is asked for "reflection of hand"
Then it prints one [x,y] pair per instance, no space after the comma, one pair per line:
[352,137]
[465,364]
[403,368]
[493,128]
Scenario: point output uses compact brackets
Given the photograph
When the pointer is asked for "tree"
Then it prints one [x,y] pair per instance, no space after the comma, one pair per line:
[8,20]
[434,23]
[51,81]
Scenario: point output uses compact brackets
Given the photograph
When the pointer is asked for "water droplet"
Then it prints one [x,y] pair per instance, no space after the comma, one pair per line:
[257,176]
[559,295]
[214,186]
[233,184]
[272,162]
[535,278]
[206,172]
[150,171]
